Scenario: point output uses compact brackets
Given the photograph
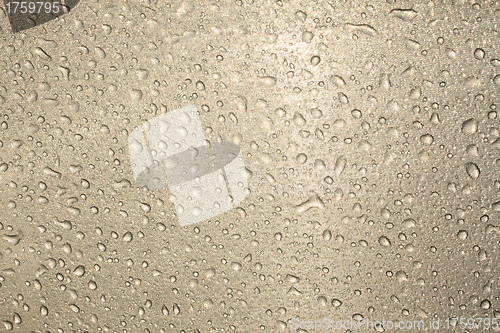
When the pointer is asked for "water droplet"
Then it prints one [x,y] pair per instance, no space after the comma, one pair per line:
[427,139]
[127,237]
[472,170]
[79,271]
[322,300]
[469,126]
[314,201]
[336,302]
[327,235]
[269,81]
[462,234]
[485,304]
[340,164]
[401,276]
[300,15]
[200,85]
[384,241]
[315,60]
[307,36]
[479,54]
[363,28]
[301,158]
[403,14]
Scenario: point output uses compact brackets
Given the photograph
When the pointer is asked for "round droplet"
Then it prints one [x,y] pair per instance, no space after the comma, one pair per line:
[200,85]
[315,60]
[356,113]
[236,266]
[384,241]
[316,113]
[8,325]
[322,300]
[479,54]
[401,276]
[208,303]
[336,302]
[409,223]
[127,237]
[300,15]
[301,158]
[79,271]
[485,304]
[427,139]
[307,36]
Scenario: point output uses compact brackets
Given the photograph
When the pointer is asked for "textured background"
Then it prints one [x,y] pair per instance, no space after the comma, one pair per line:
[371,133]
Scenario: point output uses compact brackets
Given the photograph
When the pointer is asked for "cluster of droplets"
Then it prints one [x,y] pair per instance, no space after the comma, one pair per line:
[371,143]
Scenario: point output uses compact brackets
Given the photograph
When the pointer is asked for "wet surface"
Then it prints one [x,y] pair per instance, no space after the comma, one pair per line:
[370,138]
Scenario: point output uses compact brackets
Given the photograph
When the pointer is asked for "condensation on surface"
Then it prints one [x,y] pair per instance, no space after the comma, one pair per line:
[204,180]
[370,138]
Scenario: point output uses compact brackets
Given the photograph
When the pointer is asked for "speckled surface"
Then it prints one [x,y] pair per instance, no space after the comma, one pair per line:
[370,132]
